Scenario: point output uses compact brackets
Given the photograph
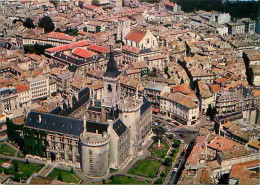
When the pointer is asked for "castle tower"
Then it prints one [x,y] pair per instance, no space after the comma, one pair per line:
[111,83]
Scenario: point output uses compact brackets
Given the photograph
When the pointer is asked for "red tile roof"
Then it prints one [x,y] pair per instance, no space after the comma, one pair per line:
[21,87]
[170,4]
[131,49]
[139,65]
[69,46]
[90,7]
[82,53]
[99,49]
[62,36]
[222,143]
[184,88]
[240,171]
[215,88]
[136,35]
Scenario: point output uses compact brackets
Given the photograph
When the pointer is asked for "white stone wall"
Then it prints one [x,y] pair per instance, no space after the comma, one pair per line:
[95,160]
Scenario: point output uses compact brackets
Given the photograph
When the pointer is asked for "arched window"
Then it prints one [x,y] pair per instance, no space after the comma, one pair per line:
[109,88]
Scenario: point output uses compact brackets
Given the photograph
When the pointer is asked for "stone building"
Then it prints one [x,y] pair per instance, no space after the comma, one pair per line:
[236,103]
[95,135]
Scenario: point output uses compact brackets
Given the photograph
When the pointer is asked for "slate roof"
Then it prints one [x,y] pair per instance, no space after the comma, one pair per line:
[54,123]
[119,127]
[112,70]
[146,105]
[93,126]
[83,97]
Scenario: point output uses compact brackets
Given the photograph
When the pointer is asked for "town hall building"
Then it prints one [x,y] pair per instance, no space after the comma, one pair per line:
[95,135]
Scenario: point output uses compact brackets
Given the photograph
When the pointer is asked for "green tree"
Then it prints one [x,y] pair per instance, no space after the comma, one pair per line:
[103,181]
[58,30]
[28,23]
[159,132]
[95,2]
[47,24]
[16,169]
[158,181]
[59,176]
[167,162]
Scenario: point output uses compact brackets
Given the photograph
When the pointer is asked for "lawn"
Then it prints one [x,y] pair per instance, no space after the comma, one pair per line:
[120,179]
[146,168]
[67,176]
[161,153]
[19,154]
[6,150]
[27,169]
[2,161]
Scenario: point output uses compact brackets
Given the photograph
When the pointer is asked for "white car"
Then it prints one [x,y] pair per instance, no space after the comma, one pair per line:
[182,141]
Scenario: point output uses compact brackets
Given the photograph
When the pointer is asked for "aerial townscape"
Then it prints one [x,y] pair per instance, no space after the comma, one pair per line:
[130,92]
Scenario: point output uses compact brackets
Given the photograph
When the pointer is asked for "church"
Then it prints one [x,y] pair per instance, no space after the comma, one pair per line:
[95,135]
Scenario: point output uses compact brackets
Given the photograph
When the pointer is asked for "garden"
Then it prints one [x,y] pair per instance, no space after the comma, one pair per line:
[20,170]
[148,167]
[161,151]
[65,176]
[121,179]
[6,150]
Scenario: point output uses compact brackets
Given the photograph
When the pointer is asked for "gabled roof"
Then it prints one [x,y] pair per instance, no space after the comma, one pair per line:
[62,36]
[82,52]
[136,35]
[99,49]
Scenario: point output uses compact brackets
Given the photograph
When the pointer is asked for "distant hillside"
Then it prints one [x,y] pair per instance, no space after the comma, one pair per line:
[237,10]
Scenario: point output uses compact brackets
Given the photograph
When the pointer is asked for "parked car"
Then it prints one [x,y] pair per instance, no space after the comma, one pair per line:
[173,173]
[182,135]
[176,123]
[182,141]
[176,167]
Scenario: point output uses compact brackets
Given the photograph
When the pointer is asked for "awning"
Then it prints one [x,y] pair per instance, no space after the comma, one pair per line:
[156,110]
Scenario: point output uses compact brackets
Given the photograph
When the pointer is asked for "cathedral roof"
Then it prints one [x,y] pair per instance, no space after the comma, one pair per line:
[112,70]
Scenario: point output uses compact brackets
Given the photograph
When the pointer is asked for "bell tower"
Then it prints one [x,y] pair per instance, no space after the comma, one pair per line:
[111,96]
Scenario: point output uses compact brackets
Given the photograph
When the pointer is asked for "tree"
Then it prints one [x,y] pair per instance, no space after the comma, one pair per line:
[95,2]
[58,30]
[28,23]
[16,169]
[60,177]
[47,24]
[167,162]
[159,132]
[103,181]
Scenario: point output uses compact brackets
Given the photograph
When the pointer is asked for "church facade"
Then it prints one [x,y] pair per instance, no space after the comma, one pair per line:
[95,135]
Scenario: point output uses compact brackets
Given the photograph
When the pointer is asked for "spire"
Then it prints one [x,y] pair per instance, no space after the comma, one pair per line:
[112,70]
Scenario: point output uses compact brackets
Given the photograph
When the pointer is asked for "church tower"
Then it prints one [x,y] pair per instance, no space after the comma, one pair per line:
[111,96]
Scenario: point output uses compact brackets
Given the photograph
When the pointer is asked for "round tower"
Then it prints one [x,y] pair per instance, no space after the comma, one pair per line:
[95,154]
